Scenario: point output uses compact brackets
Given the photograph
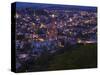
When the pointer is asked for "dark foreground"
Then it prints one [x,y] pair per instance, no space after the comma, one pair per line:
[73,57]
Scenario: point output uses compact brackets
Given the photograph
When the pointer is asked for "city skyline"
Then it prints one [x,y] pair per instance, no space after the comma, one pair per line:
[50,30]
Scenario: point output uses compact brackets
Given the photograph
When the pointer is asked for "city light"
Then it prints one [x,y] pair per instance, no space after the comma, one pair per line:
[17,15]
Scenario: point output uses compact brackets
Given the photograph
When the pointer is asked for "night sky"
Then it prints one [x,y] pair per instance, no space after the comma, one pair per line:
[58,6]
